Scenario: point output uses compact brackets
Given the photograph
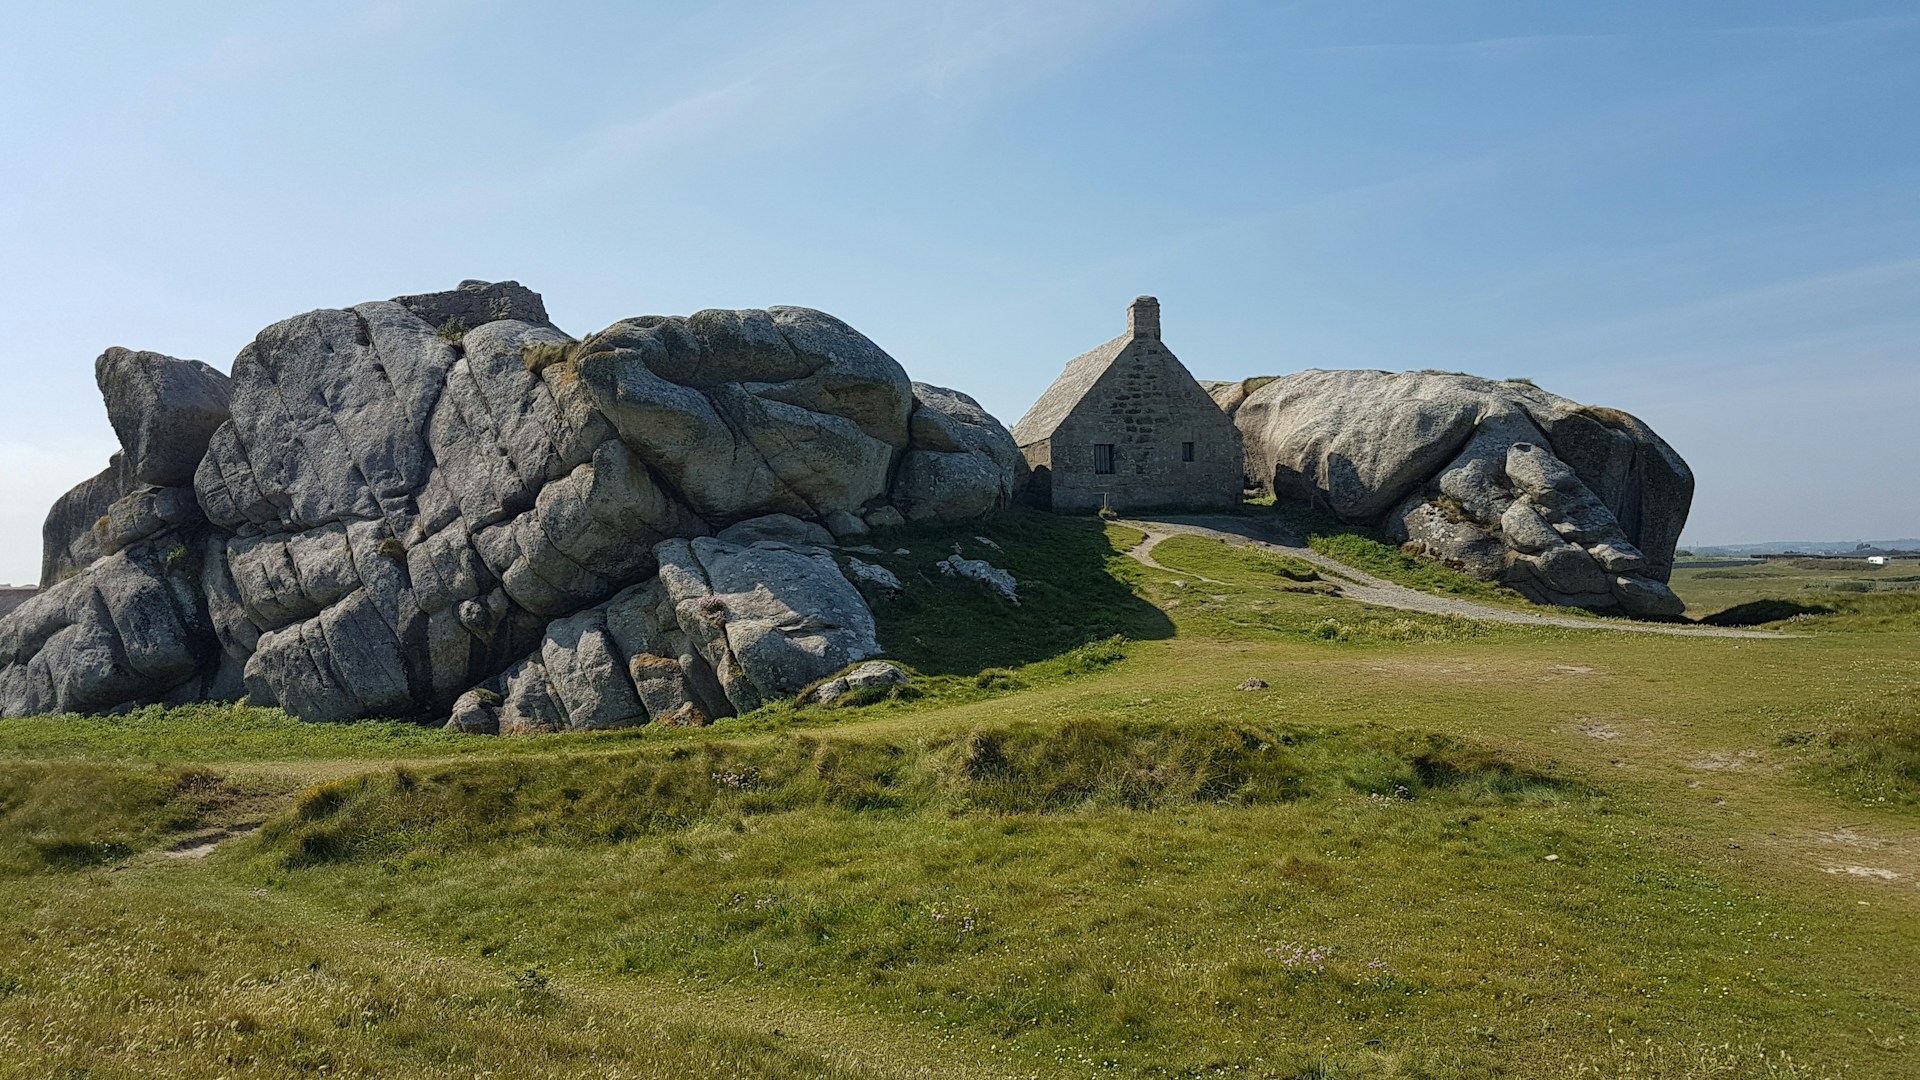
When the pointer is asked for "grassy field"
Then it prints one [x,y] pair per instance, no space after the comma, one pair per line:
[1812,583]
[1072,848]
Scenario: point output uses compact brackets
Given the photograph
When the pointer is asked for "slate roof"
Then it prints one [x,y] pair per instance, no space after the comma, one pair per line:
[1058,402]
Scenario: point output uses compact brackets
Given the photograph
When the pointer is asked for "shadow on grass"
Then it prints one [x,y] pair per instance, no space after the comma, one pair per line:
[1075,587]
[1756,612]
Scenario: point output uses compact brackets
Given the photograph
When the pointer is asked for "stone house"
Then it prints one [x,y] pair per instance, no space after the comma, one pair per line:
[1127,427]
[12,596]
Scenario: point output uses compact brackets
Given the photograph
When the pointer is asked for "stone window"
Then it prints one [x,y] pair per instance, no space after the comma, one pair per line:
[1186,451]
[1103,457]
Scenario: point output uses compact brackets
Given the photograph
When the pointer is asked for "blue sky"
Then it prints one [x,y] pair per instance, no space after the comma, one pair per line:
[1707,214]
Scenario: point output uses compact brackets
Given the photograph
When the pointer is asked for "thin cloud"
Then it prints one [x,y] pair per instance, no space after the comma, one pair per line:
[798,76]
[1491,48]
[1876,24]
[1822,313]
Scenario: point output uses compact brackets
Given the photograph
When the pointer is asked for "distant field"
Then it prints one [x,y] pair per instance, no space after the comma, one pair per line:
[1713,585]
[1430,848]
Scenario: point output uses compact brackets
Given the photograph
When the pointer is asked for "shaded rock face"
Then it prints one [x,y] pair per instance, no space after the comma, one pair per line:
[1567,503]
[442,504]
[68,542]
[962,462]
[130,629]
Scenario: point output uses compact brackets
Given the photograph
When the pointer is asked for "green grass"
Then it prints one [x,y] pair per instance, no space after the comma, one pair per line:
[1075,586]
[148,974]
[1710,590]
[70,815]
[1082,765]
[218,732]
[1225,591]
[1366,549]
[1220,561]
[1415,572]
[1062,854]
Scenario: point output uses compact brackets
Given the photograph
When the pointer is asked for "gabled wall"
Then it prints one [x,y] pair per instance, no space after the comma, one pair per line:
[1145,405]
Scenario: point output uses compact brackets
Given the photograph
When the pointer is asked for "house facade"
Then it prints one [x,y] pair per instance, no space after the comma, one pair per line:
[1126,426]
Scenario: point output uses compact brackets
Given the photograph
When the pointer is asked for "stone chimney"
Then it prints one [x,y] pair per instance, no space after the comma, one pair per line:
[1143,318]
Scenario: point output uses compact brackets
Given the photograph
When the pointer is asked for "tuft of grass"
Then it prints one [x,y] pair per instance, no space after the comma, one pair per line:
[539,357]
[1876,759]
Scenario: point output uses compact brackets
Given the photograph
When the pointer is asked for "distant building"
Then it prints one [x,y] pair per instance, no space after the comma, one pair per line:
[1126,426]
[1876,560]
[12,596]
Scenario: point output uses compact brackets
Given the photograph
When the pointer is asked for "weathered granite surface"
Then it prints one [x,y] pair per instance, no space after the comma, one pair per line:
[1568,503]
[442,505]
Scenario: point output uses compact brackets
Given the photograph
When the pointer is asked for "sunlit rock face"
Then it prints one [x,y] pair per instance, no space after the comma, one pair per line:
[1569,504]
[439,500]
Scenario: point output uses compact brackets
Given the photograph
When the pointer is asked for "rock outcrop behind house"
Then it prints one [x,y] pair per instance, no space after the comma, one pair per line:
[443,499]
[1569,504]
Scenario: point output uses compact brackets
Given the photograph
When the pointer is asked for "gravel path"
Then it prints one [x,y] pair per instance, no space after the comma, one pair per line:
[1364,587]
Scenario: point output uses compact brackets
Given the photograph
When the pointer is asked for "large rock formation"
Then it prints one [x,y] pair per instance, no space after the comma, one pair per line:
[1567,503]
[408,500]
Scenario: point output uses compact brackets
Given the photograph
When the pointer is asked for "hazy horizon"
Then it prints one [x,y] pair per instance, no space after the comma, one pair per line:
[1701,215]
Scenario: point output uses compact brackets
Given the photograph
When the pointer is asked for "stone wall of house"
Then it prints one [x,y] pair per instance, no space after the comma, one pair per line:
[12,597]
[1146,407]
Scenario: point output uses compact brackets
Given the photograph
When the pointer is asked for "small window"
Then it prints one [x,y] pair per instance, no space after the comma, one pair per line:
[1186,451]
[1103,457]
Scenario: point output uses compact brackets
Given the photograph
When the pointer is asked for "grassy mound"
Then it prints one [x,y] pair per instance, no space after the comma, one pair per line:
[216,731]
[1083,765]
[73,815]
[1876,759]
